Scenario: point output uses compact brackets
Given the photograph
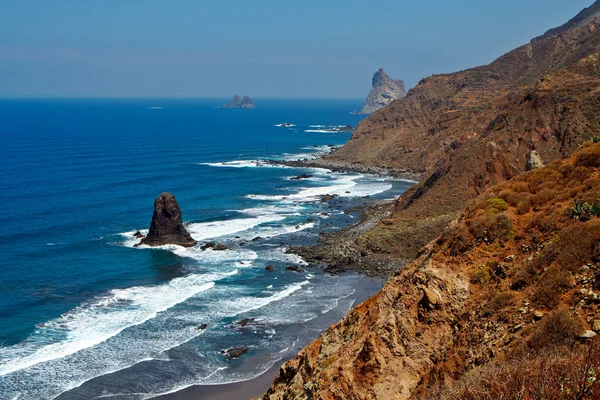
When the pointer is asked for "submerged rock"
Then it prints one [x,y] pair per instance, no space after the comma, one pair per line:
[301,176]
[167,225]
[235,352]
[208,245]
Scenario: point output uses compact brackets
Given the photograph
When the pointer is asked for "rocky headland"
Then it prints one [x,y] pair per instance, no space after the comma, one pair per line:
[384,91]
[167,224]
[499,237]
[238,102]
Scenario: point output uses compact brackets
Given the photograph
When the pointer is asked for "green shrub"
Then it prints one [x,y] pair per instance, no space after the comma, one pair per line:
[482,275]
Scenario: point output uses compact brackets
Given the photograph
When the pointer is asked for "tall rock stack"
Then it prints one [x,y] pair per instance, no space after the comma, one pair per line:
[167,225]
[384,91]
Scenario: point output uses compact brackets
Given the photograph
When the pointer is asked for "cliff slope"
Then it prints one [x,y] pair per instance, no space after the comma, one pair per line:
[515,278]
[466,131]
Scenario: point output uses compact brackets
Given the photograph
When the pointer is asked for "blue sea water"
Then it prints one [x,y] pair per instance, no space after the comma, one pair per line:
[84,314]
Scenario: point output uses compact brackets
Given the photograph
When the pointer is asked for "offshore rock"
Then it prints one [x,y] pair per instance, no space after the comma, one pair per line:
[167,225]
[236,102]
[384,91]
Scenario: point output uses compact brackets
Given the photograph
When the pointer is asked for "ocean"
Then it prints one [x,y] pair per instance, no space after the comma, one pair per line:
[84,314]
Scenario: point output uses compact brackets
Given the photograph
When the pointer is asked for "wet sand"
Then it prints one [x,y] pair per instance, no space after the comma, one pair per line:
[255,388]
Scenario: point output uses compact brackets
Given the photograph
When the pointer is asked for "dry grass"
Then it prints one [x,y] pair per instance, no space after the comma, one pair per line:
[558,375]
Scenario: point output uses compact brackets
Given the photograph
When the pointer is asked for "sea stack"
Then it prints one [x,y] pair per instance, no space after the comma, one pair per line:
[384,91]
[236,102]
[167,225]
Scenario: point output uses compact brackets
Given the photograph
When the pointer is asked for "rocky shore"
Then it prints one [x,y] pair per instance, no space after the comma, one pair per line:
[340,166]
[340,251]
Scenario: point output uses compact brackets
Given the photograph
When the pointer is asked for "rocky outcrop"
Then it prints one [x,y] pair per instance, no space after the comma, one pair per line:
[237,102]
[471,298]
[384,91]
[472,129]
[167,225]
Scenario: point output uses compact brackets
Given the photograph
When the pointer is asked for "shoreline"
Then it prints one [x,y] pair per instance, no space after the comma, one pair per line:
[347,167]
[255,388]
[335,253]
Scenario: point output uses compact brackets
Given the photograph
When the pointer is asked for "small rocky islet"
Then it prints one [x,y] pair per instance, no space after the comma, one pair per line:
[238,102]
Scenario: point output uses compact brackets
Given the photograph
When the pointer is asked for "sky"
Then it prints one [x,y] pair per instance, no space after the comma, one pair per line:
[263,48]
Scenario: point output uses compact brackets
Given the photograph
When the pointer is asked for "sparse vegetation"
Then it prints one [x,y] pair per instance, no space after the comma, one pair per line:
[557,375]
[555,330]
[583,210]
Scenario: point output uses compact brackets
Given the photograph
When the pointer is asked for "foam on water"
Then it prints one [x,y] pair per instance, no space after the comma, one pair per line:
[102,318]
[341,186]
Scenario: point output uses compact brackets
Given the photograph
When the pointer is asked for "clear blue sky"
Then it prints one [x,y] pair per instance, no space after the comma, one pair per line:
[264,48]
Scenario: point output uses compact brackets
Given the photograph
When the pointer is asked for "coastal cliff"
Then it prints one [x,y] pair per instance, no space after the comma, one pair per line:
[514,279]
[384,91]
[504,265]
[466,131]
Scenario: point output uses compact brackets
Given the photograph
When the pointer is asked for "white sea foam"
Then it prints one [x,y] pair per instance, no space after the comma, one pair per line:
[102,318]
[215,229]
[340,187]
[244,164]
[285,126]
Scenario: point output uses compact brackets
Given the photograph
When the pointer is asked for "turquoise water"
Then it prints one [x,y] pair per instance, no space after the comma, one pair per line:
[84,314]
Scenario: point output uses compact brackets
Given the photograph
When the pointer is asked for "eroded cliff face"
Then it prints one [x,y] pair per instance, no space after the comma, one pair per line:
[466,131]
[413,133]
[480,291]
[384,91]
[476,294]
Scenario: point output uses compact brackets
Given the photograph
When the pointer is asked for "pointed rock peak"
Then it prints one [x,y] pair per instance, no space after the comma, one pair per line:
[379,77]
[167,224]
[237,102]
[384,91]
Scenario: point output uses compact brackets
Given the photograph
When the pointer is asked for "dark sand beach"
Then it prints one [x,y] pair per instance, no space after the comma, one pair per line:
[255,388]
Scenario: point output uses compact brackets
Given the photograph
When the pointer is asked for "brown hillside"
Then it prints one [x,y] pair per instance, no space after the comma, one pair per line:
[552,117]
[510,285]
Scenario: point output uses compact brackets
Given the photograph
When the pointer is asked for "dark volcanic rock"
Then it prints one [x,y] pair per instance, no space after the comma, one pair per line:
[327,197]
[270,268]
[244,322]
[235,352]
[236,102]
[202,327]
[138,235]
[294,268]
[220,247]
[167,226]
[208,245]
[301,176]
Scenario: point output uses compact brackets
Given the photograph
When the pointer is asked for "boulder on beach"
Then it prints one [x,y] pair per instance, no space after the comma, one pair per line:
[167,225]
